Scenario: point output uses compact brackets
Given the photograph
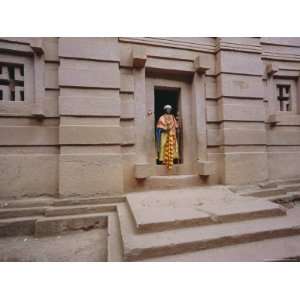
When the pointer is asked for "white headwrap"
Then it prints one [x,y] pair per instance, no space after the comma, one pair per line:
[167,106]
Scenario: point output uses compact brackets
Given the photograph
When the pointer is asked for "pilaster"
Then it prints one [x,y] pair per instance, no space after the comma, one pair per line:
[240,93]
[89,106]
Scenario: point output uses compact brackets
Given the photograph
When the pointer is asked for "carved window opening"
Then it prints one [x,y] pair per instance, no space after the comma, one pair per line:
[284,97]
[11,82]
[168,96]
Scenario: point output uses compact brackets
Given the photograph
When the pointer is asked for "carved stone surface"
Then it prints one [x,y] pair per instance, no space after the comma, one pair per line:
[206,168]
[143,171]
[89,103]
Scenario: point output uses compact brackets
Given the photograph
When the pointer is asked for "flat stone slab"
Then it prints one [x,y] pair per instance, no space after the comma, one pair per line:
[139,246]
[159,210]
[277,249]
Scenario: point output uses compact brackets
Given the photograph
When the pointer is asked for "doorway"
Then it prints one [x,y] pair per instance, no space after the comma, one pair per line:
[168,96]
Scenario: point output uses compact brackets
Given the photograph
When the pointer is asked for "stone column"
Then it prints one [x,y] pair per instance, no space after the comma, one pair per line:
[89,106]
[39,90]
[142,167]
[240,73]
[204,167]
[199,111]
[140,109]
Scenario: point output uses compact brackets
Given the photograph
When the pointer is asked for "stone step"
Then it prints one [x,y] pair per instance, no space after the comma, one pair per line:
[267,185]
[140,246]
[26,203]
[17,226]
[78,209]
[170,182]
[151,214]
[289,181]
[89,201]
[53,225]
[291,188]
[47,201]
[277,249]
[280,199]
[21,212]
[261,193]
[296,196]
[55,211]
[114,243]
[42,225]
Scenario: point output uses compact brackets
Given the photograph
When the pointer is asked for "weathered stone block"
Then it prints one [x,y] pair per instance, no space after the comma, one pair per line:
[128,135]
[284,136]
[100,48]
[240,86]
[245,168]
[244,136]
[271,69]
[90,174]
[200,66]
[214,137]
[284,119]
[90,135]
[210,88]
[240,63]
[171,66]
[127,83]
[28,175]
[51,48]
[127,108]
[139,57]
[212,111]
[273,119]
[205,168]
[284,164]
[28,135]
[51,103]
[89,106]
[242,111]
[51,75]
[82,73]
[143,171]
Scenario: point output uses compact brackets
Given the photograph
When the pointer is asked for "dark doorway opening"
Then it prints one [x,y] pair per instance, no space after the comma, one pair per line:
[170,96]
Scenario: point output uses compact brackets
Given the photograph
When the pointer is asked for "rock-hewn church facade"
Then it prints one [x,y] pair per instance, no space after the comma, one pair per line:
[78,115]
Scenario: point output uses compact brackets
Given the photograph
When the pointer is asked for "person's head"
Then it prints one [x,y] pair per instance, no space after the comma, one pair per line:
[168,108]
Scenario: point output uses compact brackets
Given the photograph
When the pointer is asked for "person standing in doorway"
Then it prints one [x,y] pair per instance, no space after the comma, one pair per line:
[167,145]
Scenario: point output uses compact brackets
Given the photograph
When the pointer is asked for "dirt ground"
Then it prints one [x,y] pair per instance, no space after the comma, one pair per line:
[71,246]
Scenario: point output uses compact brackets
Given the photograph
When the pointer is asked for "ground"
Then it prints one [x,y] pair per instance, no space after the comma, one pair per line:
[72,246]
[195,224]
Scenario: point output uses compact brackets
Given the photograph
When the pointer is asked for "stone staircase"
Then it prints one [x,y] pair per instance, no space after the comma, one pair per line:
[198,223]
[158,224]
[285,192]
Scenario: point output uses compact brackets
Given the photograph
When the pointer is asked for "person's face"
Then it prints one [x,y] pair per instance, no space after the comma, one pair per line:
[168,110]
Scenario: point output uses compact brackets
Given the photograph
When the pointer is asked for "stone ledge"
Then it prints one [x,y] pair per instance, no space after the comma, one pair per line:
[139,57]
[284,118]
[206,168]
[199,66]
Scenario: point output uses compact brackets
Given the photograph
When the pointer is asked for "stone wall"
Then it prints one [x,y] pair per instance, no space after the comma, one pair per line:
[86,121]
[29,149]
[89,105]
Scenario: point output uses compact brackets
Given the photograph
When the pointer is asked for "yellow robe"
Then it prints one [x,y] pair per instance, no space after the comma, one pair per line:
[168,147]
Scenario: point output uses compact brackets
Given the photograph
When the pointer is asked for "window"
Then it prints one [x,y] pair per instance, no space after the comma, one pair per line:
[11,82]
[284,96]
